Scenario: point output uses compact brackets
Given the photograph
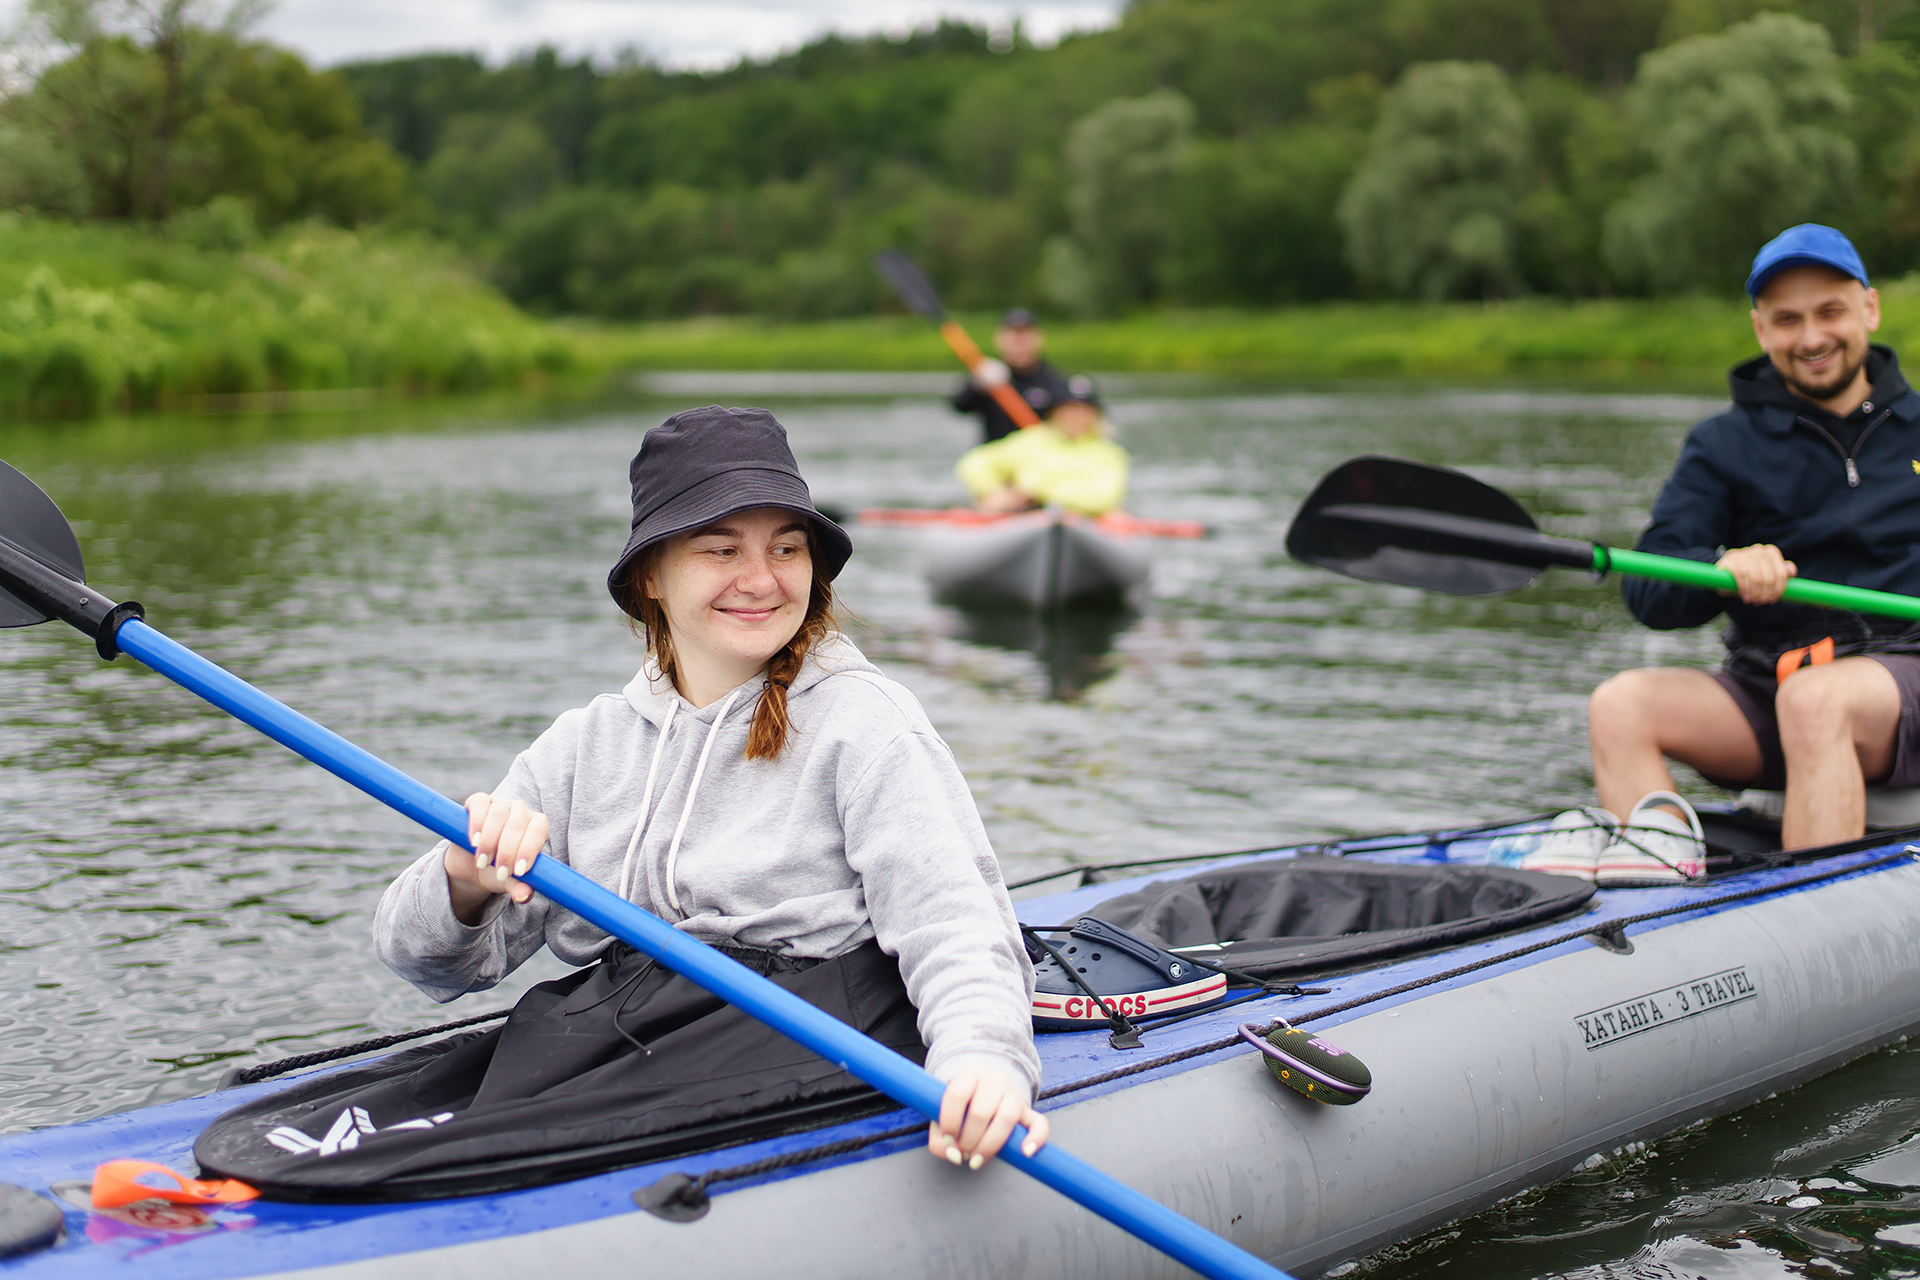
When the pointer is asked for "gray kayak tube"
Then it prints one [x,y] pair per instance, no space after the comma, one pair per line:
[1499,1062]
[1043,561]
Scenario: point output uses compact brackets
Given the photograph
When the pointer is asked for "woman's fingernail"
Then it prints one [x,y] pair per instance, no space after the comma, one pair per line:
[953,1154]
[520,867]
[479,859]
[976,1161]
[1031,1148]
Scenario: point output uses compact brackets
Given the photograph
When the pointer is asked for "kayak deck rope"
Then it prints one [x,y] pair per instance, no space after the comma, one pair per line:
[1335,848]
[237,1076]
[1719,860]
[680,1198]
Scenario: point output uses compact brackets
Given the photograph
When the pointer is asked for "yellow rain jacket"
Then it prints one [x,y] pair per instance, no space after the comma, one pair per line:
[1088,475]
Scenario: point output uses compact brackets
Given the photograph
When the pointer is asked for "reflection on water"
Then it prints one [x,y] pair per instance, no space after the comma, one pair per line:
[1075,646]
[184,894]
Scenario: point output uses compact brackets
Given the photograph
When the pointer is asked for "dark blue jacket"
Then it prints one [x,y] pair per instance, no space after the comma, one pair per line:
[1774,468]
[1041,386]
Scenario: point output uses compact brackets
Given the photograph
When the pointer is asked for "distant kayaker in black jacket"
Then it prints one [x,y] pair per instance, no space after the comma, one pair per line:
[1814,470]
[1019,340]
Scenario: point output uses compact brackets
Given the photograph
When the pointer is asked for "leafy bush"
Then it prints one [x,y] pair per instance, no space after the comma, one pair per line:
[93,317]
[1255,218]
[1884,85]
[785,249]
[1744,134]
[606,253]
[489,169]
[1430,213]
[123,129]
[1125,161]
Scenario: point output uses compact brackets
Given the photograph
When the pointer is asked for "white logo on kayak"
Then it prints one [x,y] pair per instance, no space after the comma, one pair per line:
[348,1128]
[1669,1004]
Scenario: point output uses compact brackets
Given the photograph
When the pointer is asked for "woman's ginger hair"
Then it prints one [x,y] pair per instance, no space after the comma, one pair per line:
[768,735]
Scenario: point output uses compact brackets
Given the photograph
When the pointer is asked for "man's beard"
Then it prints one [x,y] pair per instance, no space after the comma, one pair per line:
[1827,390]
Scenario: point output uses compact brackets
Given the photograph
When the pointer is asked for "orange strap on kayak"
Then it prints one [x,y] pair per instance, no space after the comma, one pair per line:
[116,1185]
[970,355]
[1817,654]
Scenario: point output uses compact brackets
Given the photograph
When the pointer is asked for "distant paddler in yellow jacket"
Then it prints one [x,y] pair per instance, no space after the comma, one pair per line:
[1066,461]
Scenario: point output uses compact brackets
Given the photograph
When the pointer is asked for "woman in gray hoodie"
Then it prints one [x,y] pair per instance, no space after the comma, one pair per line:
[759,784]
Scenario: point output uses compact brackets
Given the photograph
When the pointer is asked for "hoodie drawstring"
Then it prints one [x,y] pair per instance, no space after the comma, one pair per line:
[686,808]
[646,802]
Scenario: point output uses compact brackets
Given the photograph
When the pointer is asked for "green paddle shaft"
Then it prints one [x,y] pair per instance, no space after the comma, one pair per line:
[1692,573]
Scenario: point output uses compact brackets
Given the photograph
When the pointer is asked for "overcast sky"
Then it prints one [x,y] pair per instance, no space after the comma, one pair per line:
[686,33]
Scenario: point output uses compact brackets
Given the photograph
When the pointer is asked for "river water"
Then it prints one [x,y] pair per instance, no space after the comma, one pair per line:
[185,894]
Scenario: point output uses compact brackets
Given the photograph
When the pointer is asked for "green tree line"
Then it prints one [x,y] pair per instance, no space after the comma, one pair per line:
[1201,153]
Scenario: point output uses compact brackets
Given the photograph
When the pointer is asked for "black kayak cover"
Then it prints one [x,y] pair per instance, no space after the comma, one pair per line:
[616,1064]
[1315,914]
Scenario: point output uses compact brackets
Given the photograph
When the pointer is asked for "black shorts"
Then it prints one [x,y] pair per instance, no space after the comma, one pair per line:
[1754,694]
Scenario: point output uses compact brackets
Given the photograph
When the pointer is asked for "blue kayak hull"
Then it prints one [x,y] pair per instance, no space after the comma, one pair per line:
[1487,1081]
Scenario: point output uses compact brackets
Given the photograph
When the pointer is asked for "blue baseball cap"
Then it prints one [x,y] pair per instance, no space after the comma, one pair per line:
[1808,244]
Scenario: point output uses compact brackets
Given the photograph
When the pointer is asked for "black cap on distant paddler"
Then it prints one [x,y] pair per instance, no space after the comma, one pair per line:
[1080,390]
[707,463]
[1018,318]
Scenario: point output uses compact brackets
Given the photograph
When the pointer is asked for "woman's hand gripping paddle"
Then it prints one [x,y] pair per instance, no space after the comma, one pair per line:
[41,577]
[922,299]
[1386,520]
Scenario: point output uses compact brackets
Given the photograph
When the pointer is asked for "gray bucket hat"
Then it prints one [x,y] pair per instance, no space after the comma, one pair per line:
[707,463]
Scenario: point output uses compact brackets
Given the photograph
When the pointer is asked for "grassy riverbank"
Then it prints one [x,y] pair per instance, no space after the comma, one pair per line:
[96,317]
[1668,340]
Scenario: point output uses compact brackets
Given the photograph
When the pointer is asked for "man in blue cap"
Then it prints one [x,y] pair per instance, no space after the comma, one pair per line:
[1814,470]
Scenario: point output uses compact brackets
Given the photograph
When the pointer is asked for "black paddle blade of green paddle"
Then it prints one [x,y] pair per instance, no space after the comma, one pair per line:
[33,524]
[914,288]
[1388,520]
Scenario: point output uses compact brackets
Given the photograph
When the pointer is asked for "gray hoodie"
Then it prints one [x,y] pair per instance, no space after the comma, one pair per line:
[861,828]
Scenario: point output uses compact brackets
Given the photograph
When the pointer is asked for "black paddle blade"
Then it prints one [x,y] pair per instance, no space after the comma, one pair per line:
[30,520]
[1387,520]
[914,289]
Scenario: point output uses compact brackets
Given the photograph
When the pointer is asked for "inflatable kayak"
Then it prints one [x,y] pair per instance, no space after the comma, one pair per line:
[1040,560]
[1513,1028]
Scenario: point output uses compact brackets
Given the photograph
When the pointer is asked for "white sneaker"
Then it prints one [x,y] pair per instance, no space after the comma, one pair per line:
[1655,847]
[1573,844]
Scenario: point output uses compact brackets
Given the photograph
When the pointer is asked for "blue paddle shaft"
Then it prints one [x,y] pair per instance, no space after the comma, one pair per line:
[732,981]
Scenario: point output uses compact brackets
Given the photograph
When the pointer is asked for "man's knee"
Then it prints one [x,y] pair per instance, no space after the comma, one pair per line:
[1829,700]
[1805,703]
[1623,704]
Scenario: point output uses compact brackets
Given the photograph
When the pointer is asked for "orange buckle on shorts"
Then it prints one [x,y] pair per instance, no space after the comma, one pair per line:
[1817,654]
[116,1184]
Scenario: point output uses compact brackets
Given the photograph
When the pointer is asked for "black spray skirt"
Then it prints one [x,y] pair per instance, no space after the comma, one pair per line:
[620,1063]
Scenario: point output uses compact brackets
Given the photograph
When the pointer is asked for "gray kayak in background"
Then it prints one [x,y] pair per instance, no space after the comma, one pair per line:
[1043,561]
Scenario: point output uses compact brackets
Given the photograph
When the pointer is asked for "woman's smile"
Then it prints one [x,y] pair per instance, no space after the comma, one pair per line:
[748,613]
